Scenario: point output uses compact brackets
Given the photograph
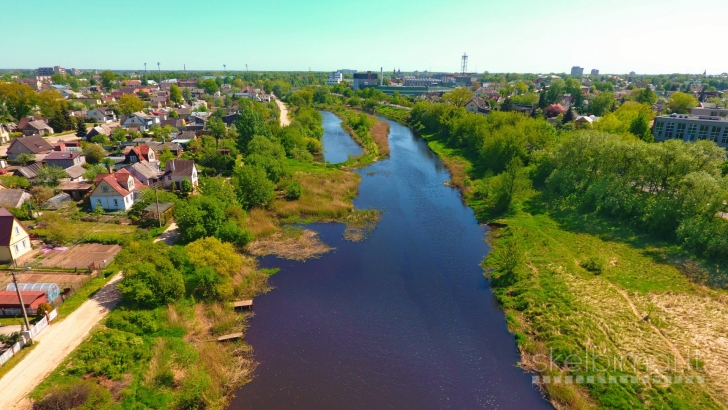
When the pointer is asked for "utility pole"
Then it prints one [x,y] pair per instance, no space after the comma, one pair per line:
[20,298]
[156,198]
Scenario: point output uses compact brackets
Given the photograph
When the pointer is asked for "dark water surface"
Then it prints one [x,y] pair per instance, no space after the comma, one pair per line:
[338,145]
[403,320]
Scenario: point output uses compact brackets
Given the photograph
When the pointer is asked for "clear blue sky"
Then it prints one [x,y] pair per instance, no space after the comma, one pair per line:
[616,36]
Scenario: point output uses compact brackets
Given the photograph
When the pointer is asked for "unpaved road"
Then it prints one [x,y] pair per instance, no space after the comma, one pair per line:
[170,235]
[285,121]
[56,343]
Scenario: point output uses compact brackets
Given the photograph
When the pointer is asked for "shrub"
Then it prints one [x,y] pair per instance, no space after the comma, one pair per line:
[593,264]
[43,309]
[84,394]
[293,191]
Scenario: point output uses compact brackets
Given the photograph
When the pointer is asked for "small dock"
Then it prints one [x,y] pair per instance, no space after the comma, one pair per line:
[243,305]
[230,337]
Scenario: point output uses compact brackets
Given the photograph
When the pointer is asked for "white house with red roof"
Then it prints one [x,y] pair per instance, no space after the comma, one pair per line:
[116,192]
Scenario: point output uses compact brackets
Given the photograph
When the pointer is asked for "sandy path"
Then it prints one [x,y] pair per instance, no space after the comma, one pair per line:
[285,121]
[170,235]
[56,343]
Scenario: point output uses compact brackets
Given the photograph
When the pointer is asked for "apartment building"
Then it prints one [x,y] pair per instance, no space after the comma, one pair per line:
[691,128]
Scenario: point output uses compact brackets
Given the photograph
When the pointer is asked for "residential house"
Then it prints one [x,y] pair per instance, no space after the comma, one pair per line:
[65,159]
[102,129]
[67,146]
[139,120]
[117,191]
[585,121]
[91,102]
[13,198]
[229,119]
[102,115]
[173,122]
[174,147]
[147,173]
[28,172]
[37,127]
[34,144]
[14,238]
[139,153]
[474,104]
[177,170]
[75,173]
[5,131]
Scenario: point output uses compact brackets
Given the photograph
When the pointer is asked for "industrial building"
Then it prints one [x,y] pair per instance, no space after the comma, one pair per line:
[365,79]
[576,70]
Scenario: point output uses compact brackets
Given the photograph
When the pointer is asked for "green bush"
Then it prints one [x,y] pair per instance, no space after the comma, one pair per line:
[594,264]
[293,191]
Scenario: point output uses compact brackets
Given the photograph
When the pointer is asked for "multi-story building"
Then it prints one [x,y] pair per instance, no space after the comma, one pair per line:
[48,71]
[365,79]
[710,111]
[411,81]
[347,71]
[335,78]
[576,70]
[691,128]
[594,71]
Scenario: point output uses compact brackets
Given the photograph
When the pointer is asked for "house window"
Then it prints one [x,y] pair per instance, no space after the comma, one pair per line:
[724,137]
[116,202]
[714,132]
[16,248]
[25,243]
[104,189]
[133,158]
[669,130]
[680,131]
[703,132]
[658,128]
[17,230]
[691,131]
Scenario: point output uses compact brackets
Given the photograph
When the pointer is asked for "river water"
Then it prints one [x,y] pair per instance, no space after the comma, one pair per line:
[402,320]
[338,145]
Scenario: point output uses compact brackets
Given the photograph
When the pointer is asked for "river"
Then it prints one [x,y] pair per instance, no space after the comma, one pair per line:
[337,144]
[402,320]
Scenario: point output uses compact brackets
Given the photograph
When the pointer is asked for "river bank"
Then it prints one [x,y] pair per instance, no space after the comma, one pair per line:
[604,315]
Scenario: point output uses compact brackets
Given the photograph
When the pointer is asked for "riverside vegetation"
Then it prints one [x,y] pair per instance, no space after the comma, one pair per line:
[608,251]
[158,348]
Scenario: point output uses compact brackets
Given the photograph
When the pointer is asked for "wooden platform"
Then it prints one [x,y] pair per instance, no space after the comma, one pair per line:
[243,305]
[230,337]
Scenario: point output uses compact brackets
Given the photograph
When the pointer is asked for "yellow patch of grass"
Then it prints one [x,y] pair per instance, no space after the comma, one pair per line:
[261,222]
[293,244]
[380,134]
[323,197]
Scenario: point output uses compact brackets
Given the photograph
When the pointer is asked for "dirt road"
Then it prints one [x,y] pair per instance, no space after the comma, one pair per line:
[170,235]
[285,121]
[56,343]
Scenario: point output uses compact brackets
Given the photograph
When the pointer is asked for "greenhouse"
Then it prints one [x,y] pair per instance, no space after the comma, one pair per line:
[51,289]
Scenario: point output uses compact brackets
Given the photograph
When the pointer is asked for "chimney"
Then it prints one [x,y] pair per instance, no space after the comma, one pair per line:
[381,76]
[170,165]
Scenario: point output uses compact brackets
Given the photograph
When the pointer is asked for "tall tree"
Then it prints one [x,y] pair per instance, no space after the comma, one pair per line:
[175,94]
[681,103]
[458,97]
[129,103]
[18,98]
[602,103]
[107,79]
[249,124]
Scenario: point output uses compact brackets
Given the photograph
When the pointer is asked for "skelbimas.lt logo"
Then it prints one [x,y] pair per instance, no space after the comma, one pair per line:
[592,367]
